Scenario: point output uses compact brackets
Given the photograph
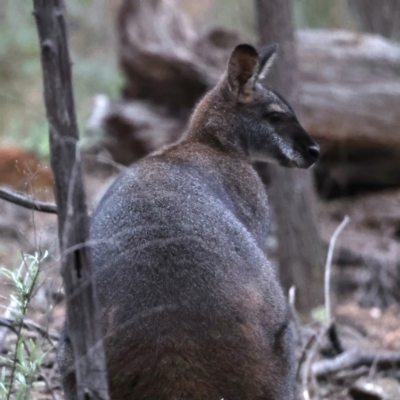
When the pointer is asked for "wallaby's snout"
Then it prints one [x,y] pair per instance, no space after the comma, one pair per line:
[279,137]
[264,120]
[313,152]
[305,149]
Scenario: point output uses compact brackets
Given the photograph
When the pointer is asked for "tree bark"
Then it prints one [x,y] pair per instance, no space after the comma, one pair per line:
[82,311]
[300,253]
[381,17]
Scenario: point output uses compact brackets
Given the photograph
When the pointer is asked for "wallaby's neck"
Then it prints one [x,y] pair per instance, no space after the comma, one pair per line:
[213,124]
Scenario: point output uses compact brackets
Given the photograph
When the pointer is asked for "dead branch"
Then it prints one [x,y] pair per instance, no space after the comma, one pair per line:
[295,317]
[82,310]
[334,339]
[304,353]
[25,201]
[328,265]
[309,353]
[31,326]
[355,358]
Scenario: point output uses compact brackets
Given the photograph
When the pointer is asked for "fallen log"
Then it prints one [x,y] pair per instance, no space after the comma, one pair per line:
[164,59]
[136,128]
[168,66]
[350,92]
[354,358]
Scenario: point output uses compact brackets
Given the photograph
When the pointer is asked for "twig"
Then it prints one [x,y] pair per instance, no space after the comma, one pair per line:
[354,358]
[303,356]
[314,347]
[328,267]
[30,326]
[26,201]
[333,337]
[294,315]
[373,368]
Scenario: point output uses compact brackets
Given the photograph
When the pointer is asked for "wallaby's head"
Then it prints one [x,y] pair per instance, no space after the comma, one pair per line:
[254,117]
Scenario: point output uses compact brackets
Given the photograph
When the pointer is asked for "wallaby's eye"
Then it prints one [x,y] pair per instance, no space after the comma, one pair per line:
[274,117]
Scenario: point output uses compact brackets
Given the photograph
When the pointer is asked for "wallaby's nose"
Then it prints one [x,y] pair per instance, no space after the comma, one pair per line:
[313,152]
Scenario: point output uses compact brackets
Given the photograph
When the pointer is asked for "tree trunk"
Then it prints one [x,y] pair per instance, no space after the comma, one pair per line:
[381,17]
[300,253]
[82,311]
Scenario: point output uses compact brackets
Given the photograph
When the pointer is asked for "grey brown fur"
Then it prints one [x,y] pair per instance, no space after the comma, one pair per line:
[191,307]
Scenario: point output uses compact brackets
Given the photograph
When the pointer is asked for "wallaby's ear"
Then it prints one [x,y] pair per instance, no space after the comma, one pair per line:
[267,58]
[243,68]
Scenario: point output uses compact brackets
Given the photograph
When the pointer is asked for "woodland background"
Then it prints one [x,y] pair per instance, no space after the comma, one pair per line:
[348,98]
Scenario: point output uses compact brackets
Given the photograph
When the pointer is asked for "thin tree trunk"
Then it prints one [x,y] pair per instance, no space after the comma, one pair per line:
[381,17]
[82,311]
[300,253]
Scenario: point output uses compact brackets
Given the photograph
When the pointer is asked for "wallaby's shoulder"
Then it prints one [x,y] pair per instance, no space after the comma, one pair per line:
[215,164]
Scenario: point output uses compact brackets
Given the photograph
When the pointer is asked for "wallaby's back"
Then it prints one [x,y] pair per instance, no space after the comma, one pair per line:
[185,288]
[191,308]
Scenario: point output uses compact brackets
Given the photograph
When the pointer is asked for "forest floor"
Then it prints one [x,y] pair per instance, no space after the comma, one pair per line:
[366,256]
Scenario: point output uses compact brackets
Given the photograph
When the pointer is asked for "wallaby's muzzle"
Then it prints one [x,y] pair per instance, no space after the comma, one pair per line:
[308,150]
[313,152]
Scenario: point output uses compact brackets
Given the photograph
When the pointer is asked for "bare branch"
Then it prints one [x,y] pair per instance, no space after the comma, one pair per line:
[26,201]
[328,267]
[355,358]
[29,325]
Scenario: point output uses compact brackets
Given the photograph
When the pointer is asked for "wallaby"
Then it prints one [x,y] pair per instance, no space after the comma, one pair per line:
[191,307]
